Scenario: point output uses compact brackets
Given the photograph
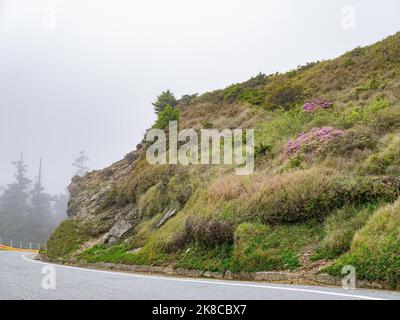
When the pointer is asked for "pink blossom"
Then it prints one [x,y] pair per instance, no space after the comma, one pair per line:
[316,105]
[314,139]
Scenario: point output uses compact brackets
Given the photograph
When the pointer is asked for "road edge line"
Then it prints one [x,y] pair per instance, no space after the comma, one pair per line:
[215,282]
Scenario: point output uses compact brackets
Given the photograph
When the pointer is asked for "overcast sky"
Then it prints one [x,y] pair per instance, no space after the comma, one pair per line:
[81,74]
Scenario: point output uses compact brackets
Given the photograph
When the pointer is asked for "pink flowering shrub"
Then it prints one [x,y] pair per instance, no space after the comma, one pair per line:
[311,141]
[316,105]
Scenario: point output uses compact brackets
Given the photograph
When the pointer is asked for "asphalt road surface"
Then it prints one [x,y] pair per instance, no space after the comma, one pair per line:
[22,278]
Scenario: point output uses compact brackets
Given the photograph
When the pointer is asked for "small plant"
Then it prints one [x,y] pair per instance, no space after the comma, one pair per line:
[262,149]
[379,103]
[207,125]
[348,62]
[372,84]
[295,162]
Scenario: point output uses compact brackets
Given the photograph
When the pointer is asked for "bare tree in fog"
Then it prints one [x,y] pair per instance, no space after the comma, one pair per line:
[80,164]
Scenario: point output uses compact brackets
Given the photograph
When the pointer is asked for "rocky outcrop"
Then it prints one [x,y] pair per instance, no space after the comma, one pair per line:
[89,193]
[89,196]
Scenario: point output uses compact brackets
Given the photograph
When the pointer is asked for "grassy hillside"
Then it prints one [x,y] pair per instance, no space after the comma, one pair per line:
[323,192]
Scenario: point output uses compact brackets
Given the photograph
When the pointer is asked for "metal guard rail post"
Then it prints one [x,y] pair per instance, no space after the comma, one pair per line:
[21,246]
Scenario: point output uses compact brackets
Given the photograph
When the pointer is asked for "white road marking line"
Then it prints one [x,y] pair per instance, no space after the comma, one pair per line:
[216,282]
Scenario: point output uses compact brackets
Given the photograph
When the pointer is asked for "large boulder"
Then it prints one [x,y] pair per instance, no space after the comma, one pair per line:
[117,231]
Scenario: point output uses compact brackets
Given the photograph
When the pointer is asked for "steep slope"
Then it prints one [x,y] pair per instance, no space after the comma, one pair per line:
[327,168]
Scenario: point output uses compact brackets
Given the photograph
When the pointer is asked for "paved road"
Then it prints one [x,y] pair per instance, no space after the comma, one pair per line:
[21,278]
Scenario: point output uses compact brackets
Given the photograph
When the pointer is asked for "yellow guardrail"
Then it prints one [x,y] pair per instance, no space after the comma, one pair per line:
[5,248]
[19,246]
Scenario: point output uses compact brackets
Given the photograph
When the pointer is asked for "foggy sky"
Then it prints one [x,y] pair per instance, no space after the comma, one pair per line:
[87,81]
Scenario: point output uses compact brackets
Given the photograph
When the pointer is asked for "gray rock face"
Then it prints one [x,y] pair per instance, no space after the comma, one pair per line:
[117,231]
[88,194]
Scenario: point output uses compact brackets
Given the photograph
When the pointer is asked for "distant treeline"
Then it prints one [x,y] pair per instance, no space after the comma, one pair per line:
[27,212]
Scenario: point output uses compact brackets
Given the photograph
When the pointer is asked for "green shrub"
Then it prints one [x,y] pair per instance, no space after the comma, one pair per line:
[104,253]
[188,99]
[232,92]
[209,232]
[352,141]
[260,247]
[387,120]
[165,116]
[66,239]
[387,160]
[141,179]
[198,257]
[372,84]
[181,187]
[143,231]
[295,196]
[366,114]
[166,98]
[313,194]
[153,202]
[379,103]
[284,125]
[375,249]
[295,162]
[173,191]
[253,96]
[340,229]
[283,94]
[244,93]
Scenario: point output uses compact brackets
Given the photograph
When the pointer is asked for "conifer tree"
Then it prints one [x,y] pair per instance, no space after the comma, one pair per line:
[13,202]
[166,98]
